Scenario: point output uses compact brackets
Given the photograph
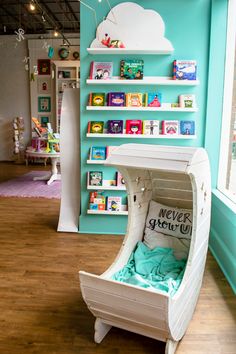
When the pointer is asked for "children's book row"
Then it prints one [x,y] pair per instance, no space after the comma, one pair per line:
[134,70]
[100,152]
[97,201]
[137,99]
[95,179]
[145,127]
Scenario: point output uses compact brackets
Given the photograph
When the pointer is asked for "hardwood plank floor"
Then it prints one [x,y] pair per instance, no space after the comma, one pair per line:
[41,308]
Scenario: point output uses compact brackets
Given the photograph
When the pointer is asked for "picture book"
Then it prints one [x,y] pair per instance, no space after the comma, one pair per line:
[187,127]
[95,178]
[119,179]
[109,182]
[151,127]
[115,126]
[114,203]
[116,99]
[131,69]
[187,101]
[110,149]
[170,127]
[95,127]
[153,99]
[134,99]
[98,153]
[97,201]
[133,126]
[97,99]
[184,70]
[101,70]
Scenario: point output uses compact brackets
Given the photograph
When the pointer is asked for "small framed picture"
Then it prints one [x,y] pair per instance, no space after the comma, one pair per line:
[44,104]
[44,120]
[44,66]
[44,85]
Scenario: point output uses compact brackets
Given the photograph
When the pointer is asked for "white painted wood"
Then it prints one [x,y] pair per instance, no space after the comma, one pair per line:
[96,162]
[166,107]
[101,329]
[170,346]
[122,51]
[107,212]
[177,176]
[141,136]
[147,80]
[70,162]
[106,188]
[228,97]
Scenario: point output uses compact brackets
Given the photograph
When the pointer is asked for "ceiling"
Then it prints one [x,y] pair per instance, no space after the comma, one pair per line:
[61,15]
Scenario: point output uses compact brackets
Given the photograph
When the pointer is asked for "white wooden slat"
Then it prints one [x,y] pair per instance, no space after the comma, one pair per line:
[172,184]
[179,203]
[166,175]
[173,193]
[155,155]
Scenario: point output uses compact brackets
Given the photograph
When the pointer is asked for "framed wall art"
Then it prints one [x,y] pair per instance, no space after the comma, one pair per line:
[44,66]
[44,104]
[44,85]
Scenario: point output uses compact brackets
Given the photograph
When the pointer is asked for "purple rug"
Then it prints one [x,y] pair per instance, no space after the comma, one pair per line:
[24,186]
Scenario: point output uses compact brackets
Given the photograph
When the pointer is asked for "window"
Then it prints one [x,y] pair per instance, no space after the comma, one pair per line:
[227,165]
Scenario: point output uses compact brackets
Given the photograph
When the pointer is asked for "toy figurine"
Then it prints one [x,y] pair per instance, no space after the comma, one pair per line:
[114,43]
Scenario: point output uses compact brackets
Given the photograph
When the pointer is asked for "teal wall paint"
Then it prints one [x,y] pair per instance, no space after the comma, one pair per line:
[223,224]
[187,27]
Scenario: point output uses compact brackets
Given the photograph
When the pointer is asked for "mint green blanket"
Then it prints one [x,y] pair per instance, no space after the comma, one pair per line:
[155,269]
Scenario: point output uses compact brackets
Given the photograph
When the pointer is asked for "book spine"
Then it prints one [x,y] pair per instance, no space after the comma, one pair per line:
[91,70]
[89,127]
[122,69]
[163,124]
[174,70]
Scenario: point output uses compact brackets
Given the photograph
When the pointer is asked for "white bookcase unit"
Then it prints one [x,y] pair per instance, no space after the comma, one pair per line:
[66,75]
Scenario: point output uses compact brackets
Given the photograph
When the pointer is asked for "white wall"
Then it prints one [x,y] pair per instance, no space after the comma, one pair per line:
[14,92]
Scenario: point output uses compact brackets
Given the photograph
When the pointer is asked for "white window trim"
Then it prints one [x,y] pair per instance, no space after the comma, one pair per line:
[227,101]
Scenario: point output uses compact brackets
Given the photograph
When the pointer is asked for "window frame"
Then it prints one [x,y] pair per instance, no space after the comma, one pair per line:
[227,101]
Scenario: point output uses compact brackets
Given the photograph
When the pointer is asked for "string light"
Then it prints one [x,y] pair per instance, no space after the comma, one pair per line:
[56,34]
[32,6]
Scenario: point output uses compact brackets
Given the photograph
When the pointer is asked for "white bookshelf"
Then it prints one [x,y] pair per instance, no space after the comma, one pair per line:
[122,51]
[147,80]
[164,108]
[107,212]
[95,162]
[106,188]
[140,136]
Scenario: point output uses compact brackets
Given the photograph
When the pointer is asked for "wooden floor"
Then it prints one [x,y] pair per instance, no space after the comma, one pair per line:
[41,308]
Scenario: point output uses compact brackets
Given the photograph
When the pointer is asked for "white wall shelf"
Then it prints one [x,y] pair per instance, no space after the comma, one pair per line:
[107,212]
[107,188]
[121,51]
[163,108]
[96,162]
[140,136]
[147,80]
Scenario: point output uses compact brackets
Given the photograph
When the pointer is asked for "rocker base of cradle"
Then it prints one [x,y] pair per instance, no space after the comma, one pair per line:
[170,346]
[101,329]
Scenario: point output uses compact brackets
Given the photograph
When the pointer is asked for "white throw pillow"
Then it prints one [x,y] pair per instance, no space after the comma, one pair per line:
[169,221]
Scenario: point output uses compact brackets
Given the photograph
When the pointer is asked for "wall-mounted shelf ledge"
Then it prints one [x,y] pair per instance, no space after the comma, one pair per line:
[140,136]
[147,80]
[95,162]
[106,212]
[164,108]
[121,51]
[107,188]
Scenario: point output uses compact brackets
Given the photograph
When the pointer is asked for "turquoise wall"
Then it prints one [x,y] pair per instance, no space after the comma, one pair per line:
[223,221]
[187,27]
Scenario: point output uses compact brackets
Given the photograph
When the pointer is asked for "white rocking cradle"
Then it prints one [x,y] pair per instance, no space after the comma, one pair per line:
[177,177]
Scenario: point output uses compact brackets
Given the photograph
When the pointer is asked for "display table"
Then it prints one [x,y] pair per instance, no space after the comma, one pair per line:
[53,175]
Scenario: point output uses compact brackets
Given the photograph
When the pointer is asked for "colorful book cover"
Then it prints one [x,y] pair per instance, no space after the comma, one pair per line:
[97,201]
[131,69]
[110,149]
[95,178]
[116,99]
[115,126]
[187,101]
[101,70]
[153,99]
[114,203]
[170,127]
[133,126]
[97,99]
[151,127]
[109,182]
[95,127]
[120,182]
[187,127]
[134,99]
[185,70]
[98,153]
